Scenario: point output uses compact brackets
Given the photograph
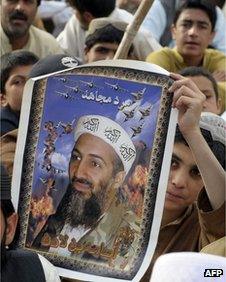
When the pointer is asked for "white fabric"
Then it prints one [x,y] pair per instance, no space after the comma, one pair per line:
[72,38]
[187,267]
[215,125]
[155,22]
[50,271]
[224,115]
[110,132]
[41,43]
[59,11]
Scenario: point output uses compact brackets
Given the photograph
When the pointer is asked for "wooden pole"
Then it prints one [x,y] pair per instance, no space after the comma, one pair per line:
[132,29]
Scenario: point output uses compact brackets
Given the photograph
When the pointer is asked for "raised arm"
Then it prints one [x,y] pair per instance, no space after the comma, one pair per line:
[188,99]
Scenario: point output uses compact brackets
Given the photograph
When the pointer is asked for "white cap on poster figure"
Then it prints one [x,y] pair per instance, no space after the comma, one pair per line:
[112,133]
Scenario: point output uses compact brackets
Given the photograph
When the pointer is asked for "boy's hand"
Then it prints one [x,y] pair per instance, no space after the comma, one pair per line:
[188,99]
[219,75]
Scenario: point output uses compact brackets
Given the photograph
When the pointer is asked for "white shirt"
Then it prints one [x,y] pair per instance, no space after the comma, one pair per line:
[59,11]
[72,38]
[40,42]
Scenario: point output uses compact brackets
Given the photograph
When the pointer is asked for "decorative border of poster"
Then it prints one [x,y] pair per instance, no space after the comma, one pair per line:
[127,109]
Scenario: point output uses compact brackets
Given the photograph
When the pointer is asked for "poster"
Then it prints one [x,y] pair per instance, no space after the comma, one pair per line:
[97,142]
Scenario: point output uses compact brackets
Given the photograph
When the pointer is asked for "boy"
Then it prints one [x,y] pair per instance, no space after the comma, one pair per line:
[15,67]
[103,38]
[207,85]
[194,206]
[193,30]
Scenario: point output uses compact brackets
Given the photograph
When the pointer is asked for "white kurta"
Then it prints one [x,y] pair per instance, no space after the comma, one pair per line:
[72,38]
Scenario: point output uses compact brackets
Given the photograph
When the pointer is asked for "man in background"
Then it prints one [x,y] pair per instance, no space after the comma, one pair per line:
[17,31]
[103,38]
[193,31]
[72,38]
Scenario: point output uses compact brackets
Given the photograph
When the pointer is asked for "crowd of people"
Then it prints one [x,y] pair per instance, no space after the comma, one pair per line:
[185,37]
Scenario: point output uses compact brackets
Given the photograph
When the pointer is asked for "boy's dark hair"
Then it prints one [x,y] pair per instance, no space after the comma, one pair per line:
[98,8]
[199,71]
[216,147]
[108,34]
[7,208]
[203,5]
[10,61]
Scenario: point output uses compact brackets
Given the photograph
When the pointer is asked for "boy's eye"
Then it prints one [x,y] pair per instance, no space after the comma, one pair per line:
[186,25]
[202,26]
[195,172]
[102,50]
[18,81]
[174,164]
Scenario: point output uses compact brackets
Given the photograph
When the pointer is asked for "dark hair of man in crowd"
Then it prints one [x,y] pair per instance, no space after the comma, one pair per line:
[216,147]
[199,71]
[107,34]
[98,8]
[203,5]
[10,61]
[38,2]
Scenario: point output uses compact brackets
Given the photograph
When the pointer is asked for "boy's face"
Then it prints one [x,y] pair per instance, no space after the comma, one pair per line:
[14,87]
[101,51]
[184,182]
[192,33]
[205,85]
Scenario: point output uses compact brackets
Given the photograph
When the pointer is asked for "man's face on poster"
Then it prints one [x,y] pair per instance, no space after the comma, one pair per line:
[94,176]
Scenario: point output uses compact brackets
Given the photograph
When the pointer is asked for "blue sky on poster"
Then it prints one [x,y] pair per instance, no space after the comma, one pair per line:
[69,97]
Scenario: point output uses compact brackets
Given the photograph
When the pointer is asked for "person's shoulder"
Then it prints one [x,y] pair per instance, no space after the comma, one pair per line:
[44,35]
[214,60]
[163,52]
[50,270]
[213,51]
[121,14]
[72,24]
[71,28]
[44,43]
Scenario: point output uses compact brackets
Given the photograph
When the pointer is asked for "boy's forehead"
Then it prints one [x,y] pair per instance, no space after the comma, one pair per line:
[194,14]
[203,82]
[183,153]
[22,70]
